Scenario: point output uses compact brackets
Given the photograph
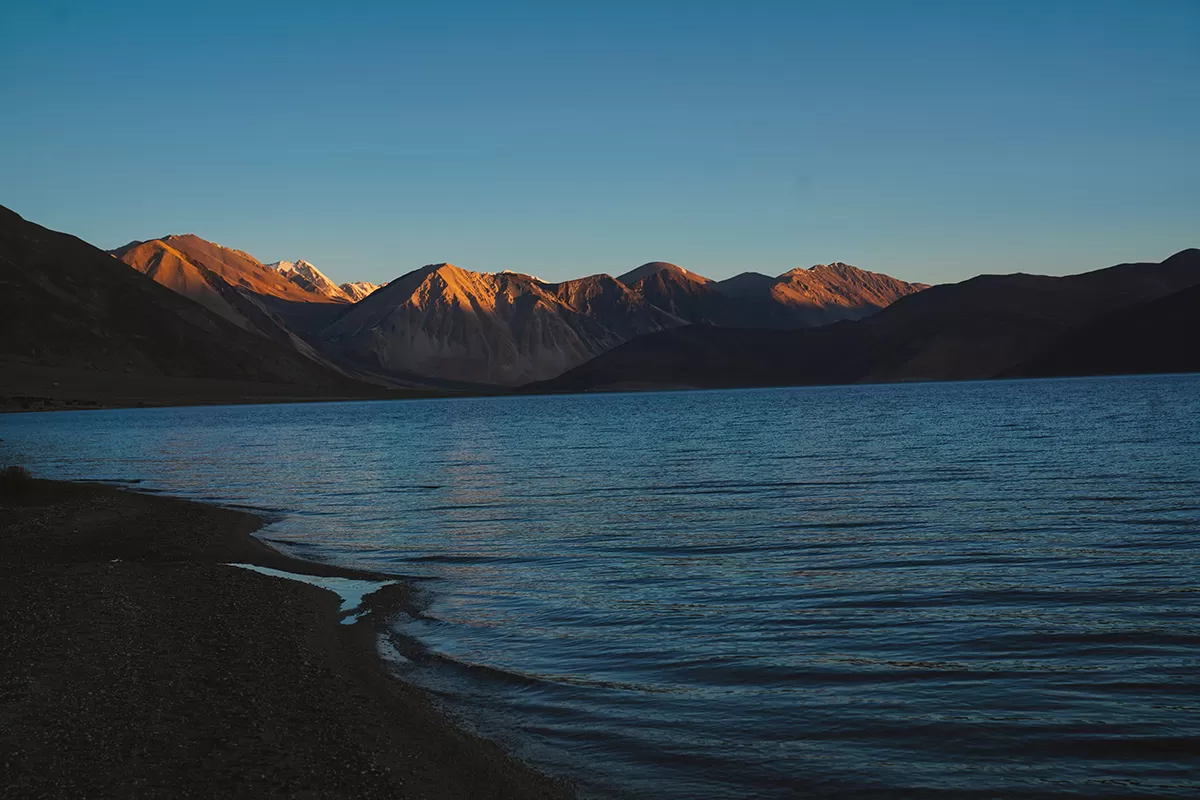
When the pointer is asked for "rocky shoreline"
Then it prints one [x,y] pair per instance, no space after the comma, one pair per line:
[138,662]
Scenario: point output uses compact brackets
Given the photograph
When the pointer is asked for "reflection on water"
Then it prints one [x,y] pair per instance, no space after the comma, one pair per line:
[965,589]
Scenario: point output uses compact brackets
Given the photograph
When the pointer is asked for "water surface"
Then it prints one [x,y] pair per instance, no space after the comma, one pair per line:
[971,589]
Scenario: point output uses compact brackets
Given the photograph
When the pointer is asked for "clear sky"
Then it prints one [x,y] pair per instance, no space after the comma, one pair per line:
[931,141]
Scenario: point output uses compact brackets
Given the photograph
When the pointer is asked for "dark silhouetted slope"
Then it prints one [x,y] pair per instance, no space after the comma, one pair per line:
[1156,337]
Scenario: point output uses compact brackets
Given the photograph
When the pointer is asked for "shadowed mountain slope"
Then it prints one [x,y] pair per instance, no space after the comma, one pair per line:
[981,328]
[69,306]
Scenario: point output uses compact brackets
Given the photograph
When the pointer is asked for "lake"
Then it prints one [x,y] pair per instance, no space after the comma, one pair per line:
[962,589]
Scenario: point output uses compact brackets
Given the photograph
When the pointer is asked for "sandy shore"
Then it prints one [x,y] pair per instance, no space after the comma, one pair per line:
[135,662]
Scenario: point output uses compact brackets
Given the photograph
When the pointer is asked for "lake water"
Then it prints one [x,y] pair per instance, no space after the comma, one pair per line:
[970,589]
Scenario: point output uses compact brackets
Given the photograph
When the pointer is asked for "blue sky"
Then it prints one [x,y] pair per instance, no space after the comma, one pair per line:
[931,141]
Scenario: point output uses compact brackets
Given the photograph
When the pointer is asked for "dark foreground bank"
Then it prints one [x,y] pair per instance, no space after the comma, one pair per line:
[135,662]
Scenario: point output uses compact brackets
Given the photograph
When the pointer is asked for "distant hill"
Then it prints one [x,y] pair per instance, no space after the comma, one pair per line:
[73,309]
[985,327]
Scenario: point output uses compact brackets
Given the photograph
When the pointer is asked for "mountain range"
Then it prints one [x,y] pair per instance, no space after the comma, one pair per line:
[180,308]
[442,325]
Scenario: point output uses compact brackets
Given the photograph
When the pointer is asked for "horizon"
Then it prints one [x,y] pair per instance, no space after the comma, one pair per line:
[938,144]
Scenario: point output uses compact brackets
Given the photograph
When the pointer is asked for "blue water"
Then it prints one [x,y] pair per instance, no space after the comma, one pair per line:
[971,589]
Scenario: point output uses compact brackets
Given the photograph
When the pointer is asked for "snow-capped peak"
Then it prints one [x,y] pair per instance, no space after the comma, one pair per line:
[357,290]
[308,277]
[522,274]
